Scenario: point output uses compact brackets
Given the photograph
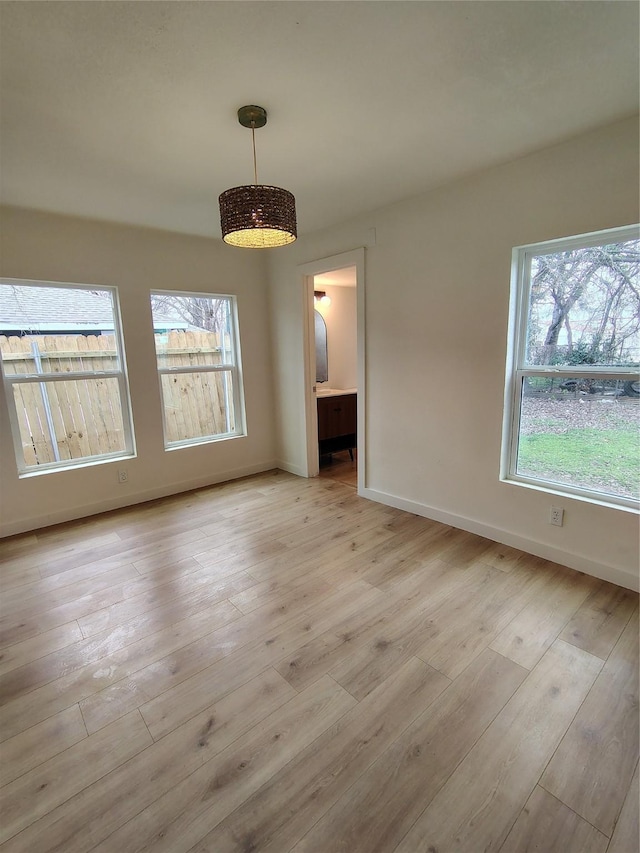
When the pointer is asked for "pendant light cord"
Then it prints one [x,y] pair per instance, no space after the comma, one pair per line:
[255,162]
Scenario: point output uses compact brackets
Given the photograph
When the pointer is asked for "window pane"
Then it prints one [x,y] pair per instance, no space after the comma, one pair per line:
[62,421]
[64,328]
[49,330]
[585,434]
[584,306]
[197,405]
[191,330]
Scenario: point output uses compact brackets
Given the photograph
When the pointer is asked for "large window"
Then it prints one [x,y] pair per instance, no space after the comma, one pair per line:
[573,397]
[199,366]
[63,372]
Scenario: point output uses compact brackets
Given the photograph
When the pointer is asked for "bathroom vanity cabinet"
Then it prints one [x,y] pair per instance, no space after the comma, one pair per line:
[337,421]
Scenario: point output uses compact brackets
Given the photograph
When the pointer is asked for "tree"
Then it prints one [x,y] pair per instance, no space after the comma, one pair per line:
[205,313]
[593,295]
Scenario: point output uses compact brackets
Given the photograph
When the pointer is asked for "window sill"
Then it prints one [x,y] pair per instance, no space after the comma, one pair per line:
[198,442]
[558,491]
[72,466]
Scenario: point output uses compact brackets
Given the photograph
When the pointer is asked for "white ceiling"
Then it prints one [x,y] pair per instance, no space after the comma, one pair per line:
[336,278]
[127,110]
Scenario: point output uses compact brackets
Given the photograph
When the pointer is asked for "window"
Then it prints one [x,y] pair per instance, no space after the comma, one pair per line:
[63,373]
[199,366]
[572,413]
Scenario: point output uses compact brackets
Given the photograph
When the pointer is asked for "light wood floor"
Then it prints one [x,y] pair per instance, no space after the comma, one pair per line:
[278,665]
[341,467]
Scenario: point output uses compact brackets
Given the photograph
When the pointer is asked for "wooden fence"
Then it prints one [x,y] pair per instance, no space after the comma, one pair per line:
[81,418]
[195,404]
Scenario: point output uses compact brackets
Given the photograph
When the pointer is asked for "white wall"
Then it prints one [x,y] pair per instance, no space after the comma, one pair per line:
[341,319]
[437,297]
[60,248]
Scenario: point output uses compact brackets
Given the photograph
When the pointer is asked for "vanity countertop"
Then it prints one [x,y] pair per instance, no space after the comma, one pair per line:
[335,392]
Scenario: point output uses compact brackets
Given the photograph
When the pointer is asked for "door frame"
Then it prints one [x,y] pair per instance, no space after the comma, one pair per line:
[306,272]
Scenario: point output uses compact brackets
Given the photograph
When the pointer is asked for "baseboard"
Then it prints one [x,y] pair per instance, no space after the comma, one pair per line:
[579,562]
[75,513]
[290,468]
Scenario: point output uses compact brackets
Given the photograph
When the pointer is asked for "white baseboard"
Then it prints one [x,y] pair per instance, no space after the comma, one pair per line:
[290,468]
[579,562]
[74,513]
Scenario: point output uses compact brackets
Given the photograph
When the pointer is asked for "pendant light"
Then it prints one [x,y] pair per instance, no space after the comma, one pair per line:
[257,216]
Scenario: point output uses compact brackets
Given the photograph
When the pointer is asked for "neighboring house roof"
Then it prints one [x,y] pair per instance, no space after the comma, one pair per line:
[42,309]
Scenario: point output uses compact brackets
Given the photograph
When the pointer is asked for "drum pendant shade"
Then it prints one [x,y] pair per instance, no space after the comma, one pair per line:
[257,216]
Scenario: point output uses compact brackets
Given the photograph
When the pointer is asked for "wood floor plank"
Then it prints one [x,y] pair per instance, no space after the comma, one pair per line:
[19,543]
[120,795]
[262,627]
[194,587]
[386,647]
[178,819]
[626,835]
[18,579]
[243,552]
[383,804]
[176,705]
[401,553]
[480,802]
[278,815]
[36,705]
[527,637]
[104,557]
[16,611]
[39,646]
[36,745]
[465,549]
[183,664]
[72,549]
[68,584]
[42,789]
[460,628]
[55,665]
[603,739]
[308,532]
[546,824]
[75,602]
[501,556]
[597,625]
[329,557]
[356,648]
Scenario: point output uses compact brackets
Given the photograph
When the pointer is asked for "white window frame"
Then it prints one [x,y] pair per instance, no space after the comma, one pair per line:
[517,369]
[234,367]
[9,380]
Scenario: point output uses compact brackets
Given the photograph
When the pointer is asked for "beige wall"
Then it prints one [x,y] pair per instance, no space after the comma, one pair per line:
[341,319]
[58,248]
[437,298]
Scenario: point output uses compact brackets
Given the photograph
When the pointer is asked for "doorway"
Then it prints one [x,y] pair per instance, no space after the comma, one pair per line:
[339,399]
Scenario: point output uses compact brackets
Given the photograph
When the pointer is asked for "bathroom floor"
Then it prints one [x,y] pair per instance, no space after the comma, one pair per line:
[340,466]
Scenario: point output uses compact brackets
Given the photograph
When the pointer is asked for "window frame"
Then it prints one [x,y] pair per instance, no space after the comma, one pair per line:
[234,367]
[517,370]
[9,380]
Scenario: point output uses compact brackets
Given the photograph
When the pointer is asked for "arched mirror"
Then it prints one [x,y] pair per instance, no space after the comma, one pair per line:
[322,364]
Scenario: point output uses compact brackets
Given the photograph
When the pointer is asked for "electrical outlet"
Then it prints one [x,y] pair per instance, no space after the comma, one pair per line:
[556,516]
[123,475]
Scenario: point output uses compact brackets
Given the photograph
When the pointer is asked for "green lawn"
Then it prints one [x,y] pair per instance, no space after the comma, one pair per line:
[606,460]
